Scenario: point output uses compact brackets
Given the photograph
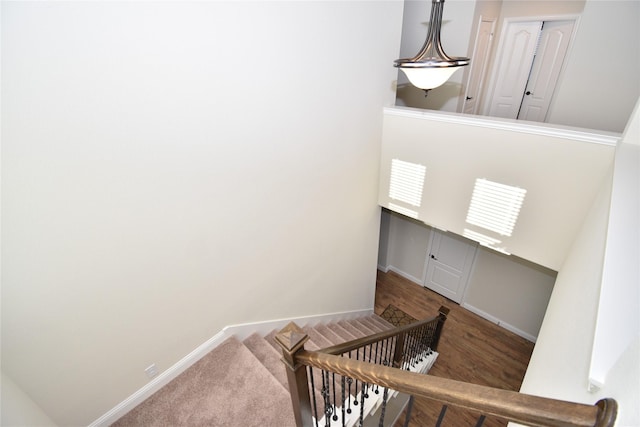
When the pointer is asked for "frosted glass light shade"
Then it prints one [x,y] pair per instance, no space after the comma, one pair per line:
[431,67]
[429,78]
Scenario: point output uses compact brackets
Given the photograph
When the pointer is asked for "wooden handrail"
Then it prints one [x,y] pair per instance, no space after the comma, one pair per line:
[510,405]
[513,406]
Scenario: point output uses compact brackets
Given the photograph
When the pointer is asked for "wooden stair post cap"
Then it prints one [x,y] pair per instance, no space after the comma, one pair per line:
[291,337]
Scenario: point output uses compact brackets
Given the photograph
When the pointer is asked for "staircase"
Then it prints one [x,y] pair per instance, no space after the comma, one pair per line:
[245,382]
[348,368]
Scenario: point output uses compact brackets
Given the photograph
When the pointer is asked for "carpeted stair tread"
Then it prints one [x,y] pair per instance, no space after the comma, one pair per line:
[342,332]
[227,387]
[268,356]
[380,321]
[245,383]
[376,326]
[329,334]
[363,327]
[352,329]
[317,337]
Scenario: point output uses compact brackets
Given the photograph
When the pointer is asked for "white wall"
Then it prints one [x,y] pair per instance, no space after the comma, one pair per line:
[561,169]
[172,168]
[407,246]
[620,291]
[593,95]
[562,362]
[510,291]
[18,409]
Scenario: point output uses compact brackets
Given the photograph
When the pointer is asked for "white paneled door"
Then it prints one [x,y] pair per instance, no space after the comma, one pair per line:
[528,69]
[516,59]
[477,73]
[448,266]
[552,49]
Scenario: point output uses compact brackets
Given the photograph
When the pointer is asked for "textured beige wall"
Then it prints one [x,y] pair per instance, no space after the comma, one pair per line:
[172,168]
[560,169]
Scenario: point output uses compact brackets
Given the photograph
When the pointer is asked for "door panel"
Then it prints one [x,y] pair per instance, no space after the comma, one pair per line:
[554,42]
[513,70]
[478,66]
[449,264]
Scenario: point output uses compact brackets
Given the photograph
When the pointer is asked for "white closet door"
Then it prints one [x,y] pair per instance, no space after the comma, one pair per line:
[516,60]
[552,48]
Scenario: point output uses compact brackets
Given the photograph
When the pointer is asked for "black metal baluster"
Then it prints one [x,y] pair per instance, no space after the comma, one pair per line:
[407,416]
[361,419]
[441,416]
[419,344]
[405,352]
[423,342]
[376,361]
[342,402]
[480,421]
[366,385]
[412,349]
[326,395]
[384,407]
[391,350]
[349,382]
[313,396]
[335,415]
[416,349]
[432,330]
[355,390]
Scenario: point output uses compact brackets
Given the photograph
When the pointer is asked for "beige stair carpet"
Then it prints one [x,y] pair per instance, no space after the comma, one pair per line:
[227,387]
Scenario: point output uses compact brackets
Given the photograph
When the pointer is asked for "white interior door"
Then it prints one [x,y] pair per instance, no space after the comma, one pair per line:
[516,58]
[478,69]
[552,49]
[448,266]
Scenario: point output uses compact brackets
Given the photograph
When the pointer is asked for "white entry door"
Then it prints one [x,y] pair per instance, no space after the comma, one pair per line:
[477,73]
[448,266]
[552,49]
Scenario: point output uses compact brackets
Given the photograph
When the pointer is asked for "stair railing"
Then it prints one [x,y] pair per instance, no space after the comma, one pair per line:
[331,387]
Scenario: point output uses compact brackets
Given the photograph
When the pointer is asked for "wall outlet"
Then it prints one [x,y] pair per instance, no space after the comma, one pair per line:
[151,371]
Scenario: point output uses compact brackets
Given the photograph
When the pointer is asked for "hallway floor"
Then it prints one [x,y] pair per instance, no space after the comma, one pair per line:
[471,349]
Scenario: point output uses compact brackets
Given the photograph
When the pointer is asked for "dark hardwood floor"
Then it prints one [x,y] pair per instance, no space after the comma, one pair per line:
[471,349]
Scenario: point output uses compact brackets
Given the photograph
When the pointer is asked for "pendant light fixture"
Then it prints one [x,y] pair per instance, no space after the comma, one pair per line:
[431,67]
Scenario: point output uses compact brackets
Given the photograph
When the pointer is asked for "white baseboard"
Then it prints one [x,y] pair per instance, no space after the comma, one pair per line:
[500,323]
[383,268]
[406,275]
[471,308]
[240,331]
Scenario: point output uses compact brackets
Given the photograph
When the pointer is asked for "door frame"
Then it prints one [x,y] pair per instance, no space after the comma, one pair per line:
[471,269]
[500,54]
